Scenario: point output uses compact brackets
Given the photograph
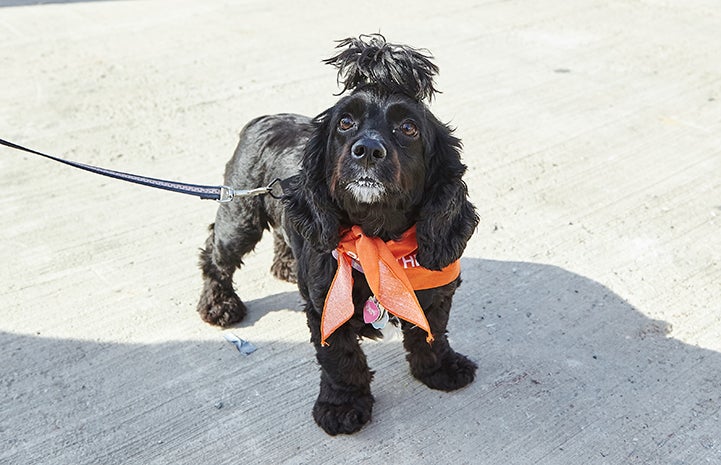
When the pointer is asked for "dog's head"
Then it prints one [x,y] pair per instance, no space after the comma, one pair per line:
[380,159]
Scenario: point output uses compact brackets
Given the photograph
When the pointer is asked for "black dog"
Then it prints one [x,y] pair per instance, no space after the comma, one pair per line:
[378,160]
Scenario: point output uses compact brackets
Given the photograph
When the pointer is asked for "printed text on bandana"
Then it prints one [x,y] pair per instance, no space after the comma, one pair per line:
[409,261]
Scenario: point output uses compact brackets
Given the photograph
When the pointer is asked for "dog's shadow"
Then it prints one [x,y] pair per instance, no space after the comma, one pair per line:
[558,354]
[565,364]
[551,345]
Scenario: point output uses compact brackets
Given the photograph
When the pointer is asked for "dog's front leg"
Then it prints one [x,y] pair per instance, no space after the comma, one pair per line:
[345,402]
[436,364]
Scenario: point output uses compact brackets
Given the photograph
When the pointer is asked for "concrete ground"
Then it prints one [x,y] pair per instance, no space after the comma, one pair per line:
[591,298]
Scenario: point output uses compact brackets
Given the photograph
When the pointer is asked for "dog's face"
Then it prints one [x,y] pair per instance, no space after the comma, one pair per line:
[381,160]
[376,152]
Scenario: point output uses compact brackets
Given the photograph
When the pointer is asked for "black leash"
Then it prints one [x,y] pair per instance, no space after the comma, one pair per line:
[220,193]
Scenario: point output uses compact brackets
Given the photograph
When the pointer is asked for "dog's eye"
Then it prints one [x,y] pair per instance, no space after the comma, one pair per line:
[345,122]
[409,128]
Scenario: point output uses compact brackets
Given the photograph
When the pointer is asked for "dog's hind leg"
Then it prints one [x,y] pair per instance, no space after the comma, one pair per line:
[437,365]
[237,229]
[284,266]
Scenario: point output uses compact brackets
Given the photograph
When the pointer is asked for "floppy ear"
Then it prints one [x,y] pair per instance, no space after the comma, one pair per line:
[447,219]
[309,207]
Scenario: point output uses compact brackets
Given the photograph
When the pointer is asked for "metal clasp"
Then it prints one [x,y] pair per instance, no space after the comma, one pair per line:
[227,194]
[270,189]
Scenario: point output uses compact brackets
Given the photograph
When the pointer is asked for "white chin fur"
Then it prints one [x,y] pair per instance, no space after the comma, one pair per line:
[366,192]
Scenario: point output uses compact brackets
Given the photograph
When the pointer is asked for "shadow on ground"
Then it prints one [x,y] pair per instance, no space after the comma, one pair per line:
[567,369]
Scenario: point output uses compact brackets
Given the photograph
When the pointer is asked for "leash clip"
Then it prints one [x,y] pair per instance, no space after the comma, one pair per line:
[270,189]
[227,193]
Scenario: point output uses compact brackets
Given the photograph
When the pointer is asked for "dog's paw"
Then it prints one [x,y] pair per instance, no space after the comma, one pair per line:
[455,372]
[221,309]
[345,418]
[284,270]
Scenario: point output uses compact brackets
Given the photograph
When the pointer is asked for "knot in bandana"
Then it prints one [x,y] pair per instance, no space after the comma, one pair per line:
[392,273]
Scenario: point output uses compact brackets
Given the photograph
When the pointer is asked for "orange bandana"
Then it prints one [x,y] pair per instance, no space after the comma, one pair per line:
[392,272]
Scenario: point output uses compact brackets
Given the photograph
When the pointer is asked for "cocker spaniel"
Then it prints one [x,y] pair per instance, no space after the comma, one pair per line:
[373,221]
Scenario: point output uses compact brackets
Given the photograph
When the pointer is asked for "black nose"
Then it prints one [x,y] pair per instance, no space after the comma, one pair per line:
[368,150]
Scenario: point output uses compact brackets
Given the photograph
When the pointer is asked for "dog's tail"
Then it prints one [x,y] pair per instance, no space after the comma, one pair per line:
[371,61]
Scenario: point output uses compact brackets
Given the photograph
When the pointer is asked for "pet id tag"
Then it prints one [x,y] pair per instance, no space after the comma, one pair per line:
[374,313]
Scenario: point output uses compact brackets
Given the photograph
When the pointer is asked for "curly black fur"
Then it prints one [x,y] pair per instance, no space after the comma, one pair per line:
[395,69]
[379,159]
